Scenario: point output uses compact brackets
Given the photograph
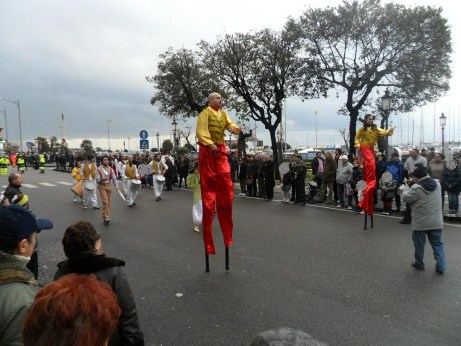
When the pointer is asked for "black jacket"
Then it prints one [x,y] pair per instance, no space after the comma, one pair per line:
[12,190]
[110,270]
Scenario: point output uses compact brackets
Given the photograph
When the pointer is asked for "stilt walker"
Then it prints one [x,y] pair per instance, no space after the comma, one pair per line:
[365,140]
[215,176]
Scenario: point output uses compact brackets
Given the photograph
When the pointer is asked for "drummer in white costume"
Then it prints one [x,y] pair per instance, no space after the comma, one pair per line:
[131,182]
[88,173]
[158,171]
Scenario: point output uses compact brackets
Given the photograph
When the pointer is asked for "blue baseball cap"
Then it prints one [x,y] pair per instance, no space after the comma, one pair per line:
[18,223]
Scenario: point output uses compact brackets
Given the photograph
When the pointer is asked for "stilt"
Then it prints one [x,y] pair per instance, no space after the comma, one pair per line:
[365,223]
[371,221]
[207,262]
[227,258]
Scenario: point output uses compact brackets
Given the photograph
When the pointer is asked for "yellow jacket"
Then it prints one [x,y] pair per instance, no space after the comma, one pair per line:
[370,135]
[211,125]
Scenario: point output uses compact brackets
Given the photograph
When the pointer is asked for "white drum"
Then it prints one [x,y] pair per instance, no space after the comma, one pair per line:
[135,184]
[89,185]
[160,178]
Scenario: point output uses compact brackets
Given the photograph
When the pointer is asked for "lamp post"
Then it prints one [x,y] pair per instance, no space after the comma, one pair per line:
[386,103]
[108,131]
[158,142]
[6,126]
[443,122]
[175,142]
[20,125]
[316,144]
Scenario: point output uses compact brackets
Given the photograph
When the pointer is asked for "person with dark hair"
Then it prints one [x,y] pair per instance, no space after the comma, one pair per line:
[300,181]
[328,178]
[83,249]
[269,177]
[427,220]
[18,287]
[452,184]
[75,310]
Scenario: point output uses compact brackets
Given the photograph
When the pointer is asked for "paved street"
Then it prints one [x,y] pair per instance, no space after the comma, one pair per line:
[309,268]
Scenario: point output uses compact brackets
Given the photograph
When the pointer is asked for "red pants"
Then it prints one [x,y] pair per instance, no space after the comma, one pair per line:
[217,194]
[369,175]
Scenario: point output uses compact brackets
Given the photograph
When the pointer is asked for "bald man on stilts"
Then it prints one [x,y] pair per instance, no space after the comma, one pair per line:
[216,183]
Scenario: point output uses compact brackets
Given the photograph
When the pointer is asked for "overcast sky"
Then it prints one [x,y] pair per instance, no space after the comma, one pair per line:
[88,60]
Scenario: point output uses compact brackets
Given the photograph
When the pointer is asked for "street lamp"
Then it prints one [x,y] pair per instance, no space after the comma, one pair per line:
[386,104]
[443,122]
[174,123]
[6,126]
[20,125]
[108,131]
[316,144]
[158,142]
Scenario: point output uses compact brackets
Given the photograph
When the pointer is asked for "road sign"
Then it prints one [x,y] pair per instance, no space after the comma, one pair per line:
[144,144]
[143,134]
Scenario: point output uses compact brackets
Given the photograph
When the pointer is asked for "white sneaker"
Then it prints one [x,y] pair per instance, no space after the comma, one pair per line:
[338,206]
[349,207]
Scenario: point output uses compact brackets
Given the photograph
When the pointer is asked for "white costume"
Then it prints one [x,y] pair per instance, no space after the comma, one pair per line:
[158,169]
[129,172]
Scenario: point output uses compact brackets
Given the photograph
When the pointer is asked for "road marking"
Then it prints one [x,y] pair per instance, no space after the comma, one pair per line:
[64,183]
[30,186]
[47,184]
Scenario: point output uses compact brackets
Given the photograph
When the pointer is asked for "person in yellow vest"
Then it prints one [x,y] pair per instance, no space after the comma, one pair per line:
[88,173]
[158,170]
[21,164]
[106,178]
[4,163]
[77,177]
[41,162]
[215,178]
[128,173]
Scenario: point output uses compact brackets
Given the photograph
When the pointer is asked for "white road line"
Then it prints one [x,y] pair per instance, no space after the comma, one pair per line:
[64,183]
[30,186]
[47,184]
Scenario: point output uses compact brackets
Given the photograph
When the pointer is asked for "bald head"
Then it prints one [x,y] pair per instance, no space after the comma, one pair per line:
[215,100]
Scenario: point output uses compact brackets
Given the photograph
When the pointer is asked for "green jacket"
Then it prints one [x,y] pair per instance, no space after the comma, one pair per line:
[193,182]
[17,293]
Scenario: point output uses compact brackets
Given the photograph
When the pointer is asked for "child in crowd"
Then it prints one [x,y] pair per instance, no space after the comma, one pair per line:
[388,194]
[287,178]
[193,182]
[357,174]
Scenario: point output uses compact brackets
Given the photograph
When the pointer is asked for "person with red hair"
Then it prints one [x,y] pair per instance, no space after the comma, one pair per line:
[75,310]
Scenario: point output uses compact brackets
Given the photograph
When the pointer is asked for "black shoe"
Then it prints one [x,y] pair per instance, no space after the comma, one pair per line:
[439,271]
[130,206]
[97,207]
[292,200]
[106,221]
[405,222]
[134,203]
[414,265]
[157,199]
